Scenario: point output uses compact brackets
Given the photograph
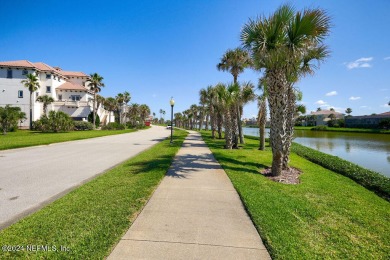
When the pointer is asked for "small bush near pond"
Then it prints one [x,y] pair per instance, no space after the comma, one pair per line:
[320,128]
[82,125]
[113,126]
[371,180]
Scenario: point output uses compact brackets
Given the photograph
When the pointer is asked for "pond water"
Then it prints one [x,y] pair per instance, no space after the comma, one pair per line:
[370,151]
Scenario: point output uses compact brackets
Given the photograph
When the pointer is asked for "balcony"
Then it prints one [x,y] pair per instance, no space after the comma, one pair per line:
[71,103]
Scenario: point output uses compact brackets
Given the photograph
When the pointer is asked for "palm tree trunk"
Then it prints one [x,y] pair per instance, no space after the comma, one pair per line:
[262,119]
[276,82]
[207,121]
[31,113]
[290,116]
[228,130]
[94,110]
[213,121]
[235,131]
[219,124]
[240,133]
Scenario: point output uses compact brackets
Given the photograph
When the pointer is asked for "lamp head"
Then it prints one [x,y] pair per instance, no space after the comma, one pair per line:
[172,102]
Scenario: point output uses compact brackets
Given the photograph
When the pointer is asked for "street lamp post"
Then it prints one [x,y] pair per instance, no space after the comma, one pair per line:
[172,102]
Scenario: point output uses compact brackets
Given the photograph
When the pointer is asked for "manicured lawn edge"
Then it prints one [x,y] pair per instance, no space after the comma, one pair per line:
[369,179]
[326,216]
[90,220]
[24,138]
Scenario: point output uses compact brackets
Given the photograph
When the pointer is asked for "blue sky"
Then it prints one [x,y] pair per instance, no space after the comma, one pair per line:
[159,49]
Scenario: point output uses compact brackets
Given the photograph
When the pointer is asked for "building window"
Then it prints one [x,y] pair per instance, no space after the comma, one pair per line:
[75,98]
[60,97]
[48,76]
[54,76]
[48,89]
[25,72]
[9,74]
[20,94]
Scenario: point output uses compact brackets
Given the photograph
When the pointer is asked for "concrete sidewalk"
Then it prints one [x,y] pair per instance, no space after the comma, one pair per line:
[195,213]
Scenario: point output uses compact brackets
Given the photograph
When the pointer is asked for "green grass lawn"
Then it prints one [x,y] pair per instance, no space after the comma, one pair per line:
[326,216]
[91,219]
[25,138]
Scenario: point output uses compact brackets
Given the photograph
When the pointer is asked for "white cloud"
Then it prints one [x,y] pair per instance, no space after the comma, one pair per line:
[387,58]
[321,103]
[332,93]
[359,63]
[354,98]
[385,105]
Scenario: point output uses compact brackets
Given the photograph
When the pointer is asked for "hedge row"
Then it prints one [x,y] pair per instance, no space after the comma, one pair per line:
[371,180]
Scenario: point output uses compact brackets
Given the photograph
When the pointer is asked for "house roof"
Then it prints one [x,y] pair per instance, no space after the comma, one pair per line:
[73,73]
[382,115]
[71,86]
[17,63]
[41,67]
[325,112]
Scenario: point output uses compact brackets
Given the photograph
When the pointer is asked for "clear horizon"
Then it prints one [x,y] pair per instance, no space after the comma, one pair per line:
[159,49]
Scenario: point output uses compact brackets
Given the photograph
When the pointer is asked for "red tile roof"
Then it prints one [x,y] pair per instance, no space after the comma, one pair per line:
[73,73]
[325,112]
[17,63]
[71,86]
[41,67]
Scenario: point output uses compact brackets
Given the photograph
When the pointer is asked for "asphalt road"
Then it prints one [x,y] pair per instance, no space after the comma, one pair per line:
[30,178]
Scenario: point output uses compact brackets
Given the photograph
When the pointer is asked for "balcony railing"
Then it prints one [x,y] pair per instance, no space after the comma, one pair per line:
[71,103]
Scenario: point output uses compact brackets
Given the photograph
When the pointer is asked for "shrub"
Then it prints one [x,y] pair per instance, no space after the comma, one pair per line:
[9,118]
[82,125]
[320,128]
[57,121]
[97,120]
[114,126]
[371,180]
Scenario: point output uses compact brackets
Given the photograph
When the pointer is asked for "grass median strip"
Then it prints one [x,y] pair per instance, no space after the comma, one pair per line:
[90,220]
[326,216]
[25,138]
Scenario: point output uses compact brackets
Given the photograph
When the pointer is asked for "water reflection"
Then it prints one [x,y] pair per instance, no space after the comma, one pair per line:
[371,151]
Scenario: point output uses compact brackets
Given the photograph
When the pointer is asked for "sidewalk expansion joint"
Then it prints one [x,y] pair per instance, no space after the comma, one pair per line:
[189,243]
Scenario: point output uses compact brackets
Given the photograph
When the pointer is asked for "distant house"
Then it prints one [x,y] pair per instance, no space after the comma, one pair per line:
[371,121]
[69,89]
[322,117]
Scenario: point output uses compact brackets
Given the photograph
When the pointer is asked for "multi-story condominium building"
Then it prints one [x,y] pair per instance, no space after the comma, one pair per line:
[69,90]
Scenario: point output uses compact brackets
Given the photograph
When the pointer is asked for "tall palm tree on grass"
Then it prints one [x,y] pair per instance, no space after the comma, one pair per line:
[284,45]
[95,82]
[32,84]
[110,104]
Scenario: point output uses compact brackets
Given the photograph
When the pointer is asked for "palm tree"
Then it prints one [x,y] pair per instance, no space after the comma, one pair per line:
[144,111]
[319,109]
[133,112]
[284,45]
[122,99]
[111,105]
[32,84]
[95,83]
[45,100]
[348,111]
[235,61]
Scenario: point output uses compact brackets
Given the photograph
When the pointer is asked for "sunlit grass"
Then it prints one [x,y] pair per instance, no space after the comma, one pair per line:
[90,220]
[326,216]
[25,138]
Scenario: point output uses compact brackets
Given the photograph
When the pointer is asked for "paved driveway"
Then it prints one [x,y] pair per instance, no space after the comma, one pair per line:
[33,177]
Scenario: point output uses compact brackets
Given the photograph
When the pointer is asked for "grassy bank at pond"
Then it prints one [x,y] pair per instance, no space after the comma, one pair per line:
[326,216]
[348,130]
[26,138]
[91,219]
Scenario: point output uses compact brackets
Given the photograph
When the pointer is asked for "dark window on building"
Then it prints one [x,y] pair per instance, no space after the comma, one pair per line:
[48,89]
[60,97]
[48,76]
[54,76]
[20,94]
[75,98]
[25,72]
[9,74]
